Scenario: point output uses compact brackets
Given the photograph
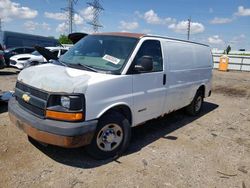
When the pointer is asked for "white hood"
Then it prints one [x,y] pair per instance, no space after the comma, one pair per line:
[56,78]
[16,57]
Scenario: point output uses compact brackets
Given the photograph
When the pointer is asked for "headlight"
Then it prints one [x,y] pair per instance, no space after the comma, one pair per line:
[66,107]
[65,102]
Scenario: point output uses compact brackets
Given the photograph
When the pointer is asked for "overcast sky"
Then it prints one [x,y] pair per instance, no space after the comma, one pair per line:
[215,22]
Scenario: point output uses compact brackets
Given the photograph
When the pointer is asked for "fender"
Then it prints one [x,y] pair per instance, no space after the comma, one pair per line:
[116,105]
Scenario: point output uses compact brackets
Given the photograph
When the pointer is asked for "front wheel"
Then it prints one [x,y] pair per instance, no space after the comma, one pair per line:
[196,105]
[111,138]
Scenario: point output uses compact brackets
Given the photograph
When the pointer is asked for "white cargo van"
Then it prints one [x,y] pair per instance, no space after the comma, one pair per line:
[106,84]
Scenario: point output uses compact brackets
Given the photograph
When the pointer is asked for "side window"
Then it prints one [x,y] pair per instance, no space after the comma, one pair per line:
[151,48]
[63,52]
[29,50]
[55,52]
[19,50]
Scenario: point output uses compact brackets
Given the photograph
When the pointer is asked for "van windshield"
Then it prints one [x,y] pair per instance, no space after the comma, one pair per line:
[100,52]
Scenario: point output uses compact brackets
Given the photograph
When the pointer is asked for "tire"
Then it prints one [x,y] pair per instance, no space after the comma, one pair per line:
[111,138]
[196,105]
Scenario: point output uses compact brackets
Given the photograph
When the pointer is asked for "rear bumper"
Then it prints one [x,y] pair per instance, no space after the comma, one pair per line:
[64,134]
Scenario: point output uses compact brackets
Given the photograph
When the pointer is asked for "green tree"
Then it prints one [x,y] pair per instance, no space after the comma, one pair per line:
[63,39]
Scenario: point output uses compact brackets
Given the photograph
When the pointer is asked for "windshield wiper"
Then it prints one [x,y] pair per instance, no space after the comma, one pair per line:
[59,62]
[86,67]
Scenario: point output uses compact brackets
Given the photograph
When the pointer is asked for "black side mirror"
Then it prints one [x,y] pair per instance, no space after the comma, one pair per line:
[144,64]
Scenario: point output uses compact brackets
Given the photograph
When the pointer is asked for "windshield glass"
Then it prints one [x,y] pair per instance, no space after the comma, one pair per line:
[35,53]
[100,52]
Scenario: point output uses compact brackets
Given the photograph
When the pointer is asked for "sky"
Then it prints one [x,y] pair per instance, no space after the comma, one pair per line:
[215,22]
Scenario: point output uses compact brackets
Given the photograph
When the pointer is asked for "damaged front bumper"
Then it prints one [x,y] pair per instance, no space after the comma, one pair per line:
[64,134]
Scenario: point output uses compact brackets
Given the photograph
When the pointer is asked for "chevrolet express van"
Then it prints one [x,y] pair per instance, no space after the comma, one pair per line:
[106,84]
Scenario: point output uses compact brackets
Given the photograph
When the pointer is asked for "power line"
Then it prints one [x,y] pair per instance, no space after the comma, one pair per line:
[189,28]
[96,8]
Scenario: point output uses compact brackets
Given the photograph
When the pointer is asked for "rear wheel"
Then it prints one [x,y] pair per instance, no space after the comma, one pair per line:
[196,105]
[111,138]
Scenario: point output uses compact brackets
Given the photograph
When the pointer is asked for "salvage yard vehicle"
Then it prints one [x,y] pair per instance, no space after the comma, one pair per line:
[106,84]
[8,53]
[26,60]
[10,39]
[2,61]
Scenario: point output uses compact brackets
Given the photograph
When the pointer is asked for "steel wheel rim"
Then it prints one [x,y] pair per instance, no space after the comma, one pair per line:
[198,103]
[109,137]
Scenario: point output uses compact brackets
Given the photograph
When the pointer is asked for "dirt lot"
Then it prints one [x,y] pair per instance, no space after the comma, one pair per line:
[212,150]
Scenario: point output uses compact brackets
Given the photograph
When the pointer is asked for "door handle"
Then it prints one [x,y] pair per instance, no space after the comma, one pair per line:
[164,79]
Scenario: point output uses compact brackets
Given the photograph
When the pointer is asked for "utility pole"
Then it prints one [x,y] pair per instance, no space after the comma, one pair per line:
[69,10]
[0,24]
[96,8]
[189,28]
[70,16]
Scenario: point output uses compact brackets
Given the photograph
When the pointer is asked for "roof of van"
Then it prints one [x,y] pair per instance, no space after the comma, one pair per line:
[122,34]
[141,35]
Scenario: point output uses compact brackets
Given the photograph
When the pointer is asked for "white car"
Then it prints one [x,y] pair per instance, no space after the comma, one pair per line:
[22,61]
[106,84]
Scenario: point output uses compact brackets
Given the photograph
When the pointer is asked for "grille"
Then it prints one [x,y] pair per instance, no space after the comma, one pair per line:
[37,102]
[33,91]
[31,108]
[12,62]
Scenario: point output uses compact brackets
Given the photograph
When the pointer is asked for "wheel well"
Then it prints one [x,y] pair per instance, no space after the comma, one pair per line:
[202,89]
[124,110]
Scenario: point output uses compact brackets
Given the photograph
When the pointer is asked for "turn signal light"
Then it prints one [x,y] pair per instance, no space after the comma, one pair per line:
[64,115]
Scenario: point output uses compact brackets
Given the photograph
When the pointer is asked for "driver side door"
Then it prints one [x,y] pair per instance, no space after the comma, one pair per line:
[149,87]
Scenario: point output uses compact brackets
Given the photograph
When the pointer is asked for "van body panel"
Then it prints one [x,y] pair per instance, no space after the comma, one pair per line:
[111,91]
[148,96]
[186,72]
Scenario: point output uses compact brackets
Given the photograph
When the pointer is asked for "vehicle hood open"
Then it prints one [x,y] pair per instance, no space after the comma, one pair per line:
[75,37]
[47,54]
[56,78]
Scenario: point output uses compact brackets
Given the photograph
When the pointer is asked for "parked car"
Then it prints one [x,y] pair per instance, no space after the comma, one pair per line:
[26,60]
[106,84]
[15,51]
[2,61]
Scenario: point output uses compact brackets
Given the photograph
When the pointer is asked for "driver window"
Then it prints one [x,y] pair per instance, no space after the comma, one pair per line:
[151,48]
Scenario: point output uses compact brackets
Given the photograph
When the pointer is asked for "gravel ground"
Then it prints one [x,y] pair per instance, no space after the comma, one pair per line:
[212,150]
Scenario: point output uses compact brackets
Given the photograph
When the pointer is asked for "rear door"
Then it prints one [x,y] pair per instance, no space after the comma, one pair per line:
[149,87]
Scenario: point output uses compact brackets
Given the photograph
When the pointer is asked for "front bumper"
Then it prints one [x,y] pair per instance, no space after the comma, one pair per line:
[60,133]
[17,65]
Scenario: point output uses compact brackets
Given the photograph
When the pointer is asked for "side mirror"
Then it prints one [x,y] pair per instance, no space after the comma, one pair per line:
[144,64]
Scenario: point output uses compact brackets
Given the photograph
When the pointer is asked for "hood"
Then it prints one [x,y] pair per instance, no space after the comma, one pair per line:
[75,37]
[56,78]
[46,53]
[16,57]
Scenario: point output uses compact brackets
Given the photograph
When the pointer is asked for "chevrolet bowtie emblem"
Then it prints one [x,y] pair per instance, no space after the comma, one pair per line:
[26,97]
